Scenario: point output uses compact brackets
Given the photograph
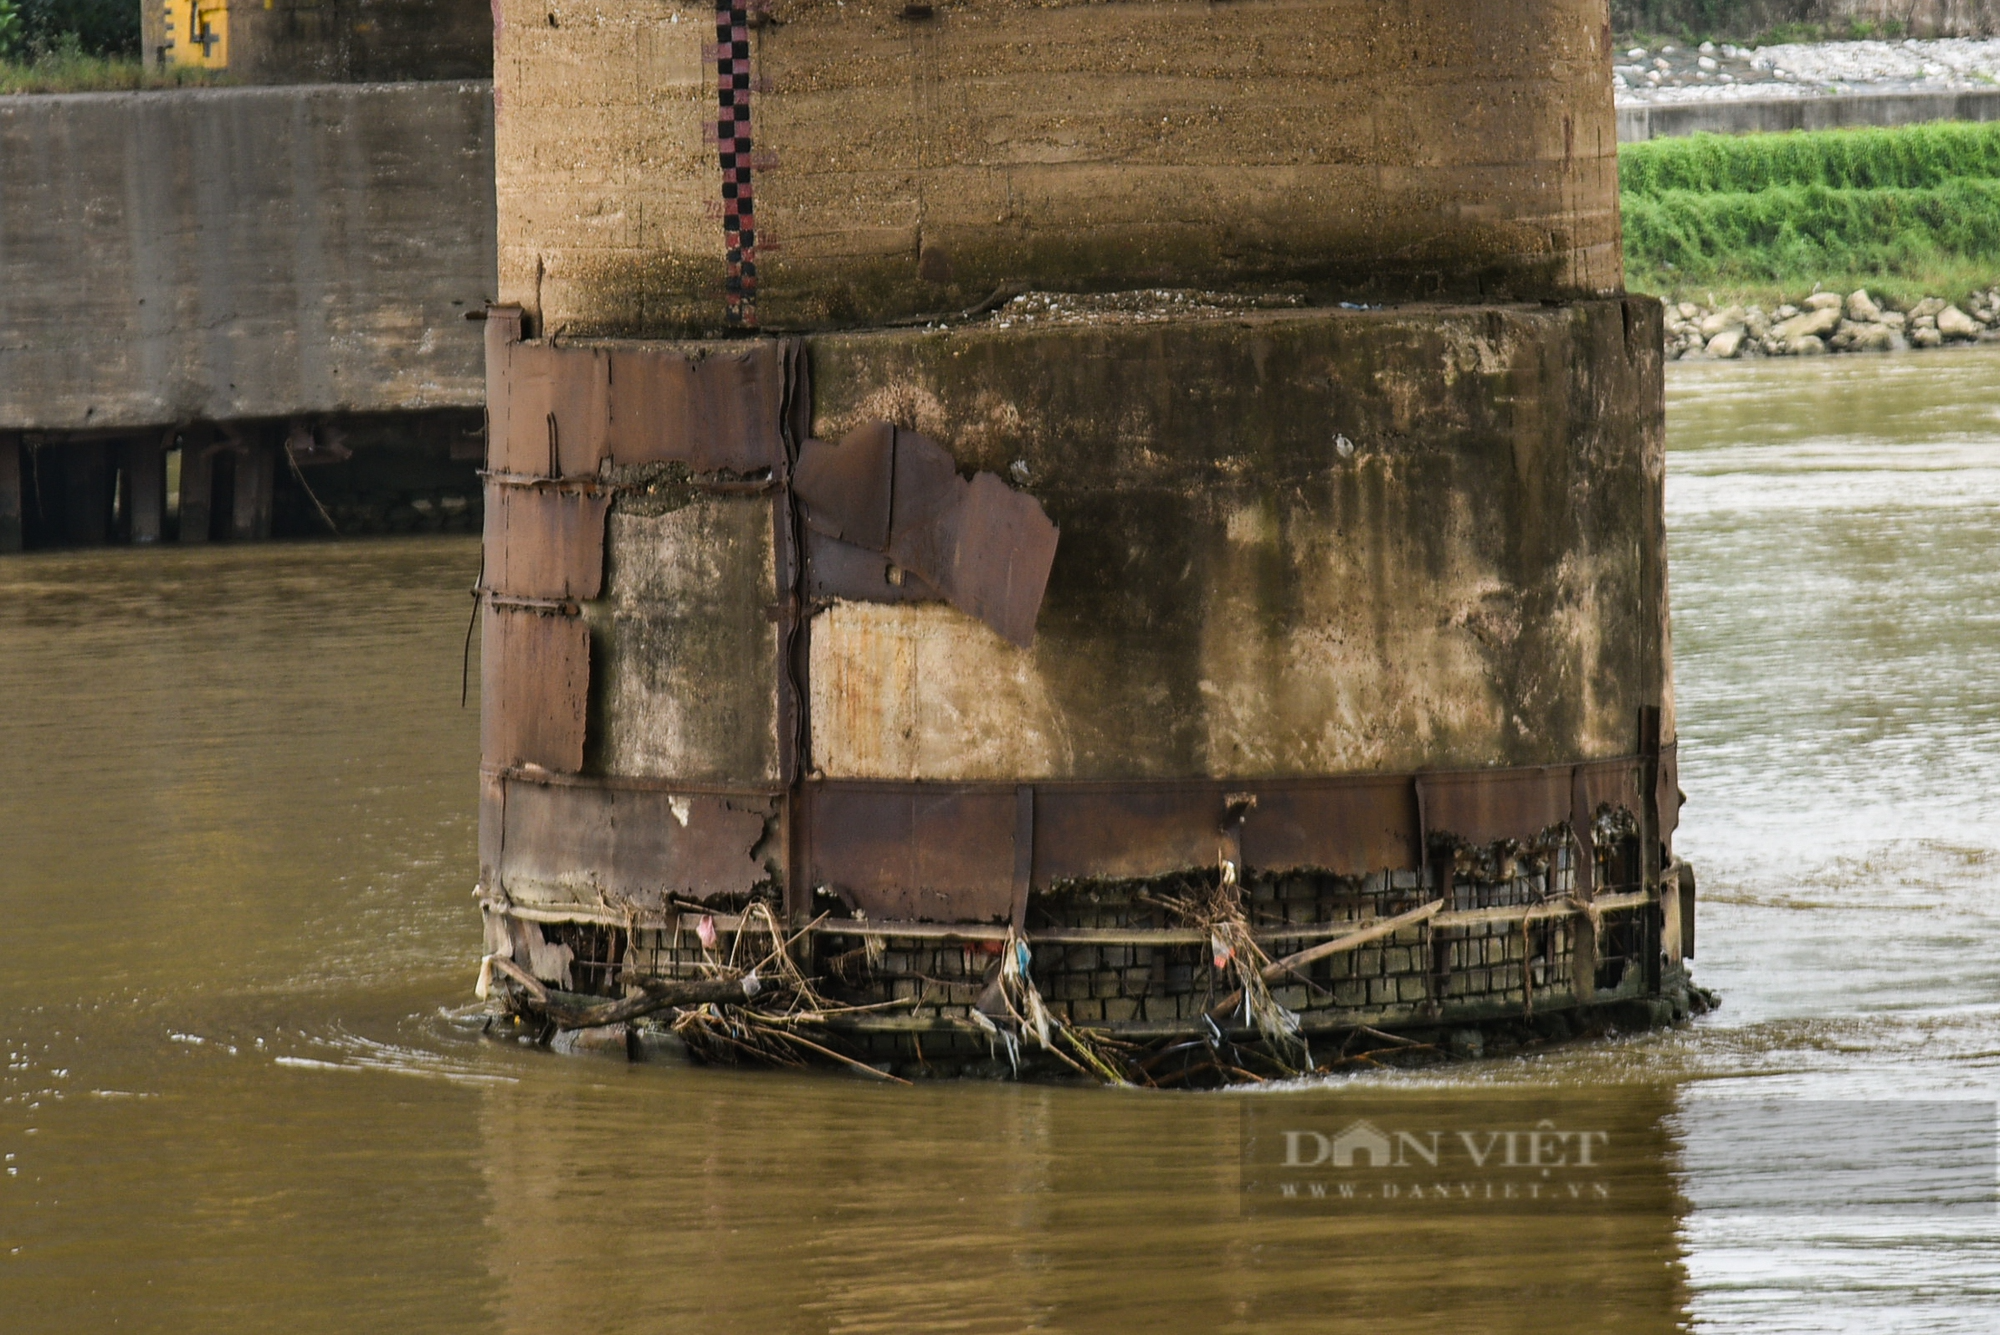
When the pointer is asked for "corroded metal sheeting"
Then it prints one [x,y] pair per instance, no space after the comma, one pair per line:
[592,842]
[836,569]
[1125,830]
[917,852]
[1613,783]
[1482,806]
[563,410]
[714,413]
[534,687]
[544,542]
[985,547]
[1668,790]
[846,489]
[492,816]
[1002,547]
[1350,826]
[948,852]
[558,411]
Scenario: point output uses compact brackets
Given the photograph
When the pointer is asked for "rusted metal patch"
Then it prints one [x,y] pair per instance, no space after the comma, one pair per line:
[593,842]
[503,332]
[848,488]
[1116,831]
[1597,783]
[1001,553]
[492,819]
[1613,783]
[1348,826]
[916,852]
[557,411]
[545,542]
[985,547]
[717,413]
[534,684]
[1668,790]
[943,852]
[836,569]
[1482,806]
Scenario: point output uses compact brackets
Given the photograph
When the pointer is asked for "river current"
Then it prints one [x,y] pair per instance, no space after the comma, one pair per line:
[236,869]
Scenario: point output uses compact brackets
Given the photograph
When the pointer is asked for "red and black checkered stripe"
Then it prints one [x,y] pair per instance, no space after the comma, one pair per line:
[732,137]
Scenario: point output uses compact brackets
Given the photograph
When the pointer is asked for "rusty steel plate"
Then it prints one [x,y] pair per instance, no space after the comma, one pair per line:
[913,851]
[946,852]
[1482,806]
[503,331]
[985,547]
[1114,831]
[1003,549]
[544,542]
[1667,791]
[556,407]
[836,569]
[845,489]
[1613,783]
[534,684]
[717,413]
[1348,826]
[627,845]
[556,411]
[492,815]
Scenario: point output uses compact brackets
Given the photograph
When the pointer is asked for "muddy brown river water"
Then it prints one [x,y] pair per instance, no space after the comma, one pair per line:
[236,928]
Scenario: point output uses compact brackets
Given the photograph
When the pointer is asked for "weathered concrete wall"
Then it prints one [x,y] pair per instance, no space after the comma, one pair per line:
[1772,115]
[685,684]
[327,41]
[902,159]
[241,253]
[1469,580]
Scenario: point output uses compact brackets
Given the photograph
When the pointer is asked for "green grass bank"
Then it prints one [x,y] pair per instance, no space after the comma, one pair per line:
[71,71]
[1906,213]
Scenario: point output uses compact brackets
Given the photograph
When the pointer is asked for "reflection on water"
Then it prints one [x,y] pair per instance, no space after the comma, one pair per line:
[235,864]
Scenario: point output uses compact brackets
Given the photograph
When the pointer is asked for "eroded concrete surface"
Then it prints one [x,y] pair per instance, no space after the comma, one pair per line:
[913,158]
[1316,542]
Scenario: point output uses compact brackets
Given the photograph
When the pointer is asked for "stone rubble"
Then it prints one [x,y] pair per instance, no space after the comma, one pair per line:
[1828,322]
[1676,73]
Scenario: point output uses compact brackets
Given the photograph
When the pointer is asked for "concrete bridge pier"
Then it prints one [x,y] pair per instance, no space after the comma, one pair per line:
[1078,484]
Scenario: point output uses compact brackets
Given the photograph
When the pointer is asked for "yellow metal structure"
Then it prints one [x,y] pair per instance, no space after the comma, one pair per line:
[197,32]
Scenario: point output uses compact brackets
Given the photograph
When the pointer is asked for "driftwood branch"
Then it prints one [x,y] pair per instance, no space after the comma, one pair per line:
[569,1011]
[1373,931]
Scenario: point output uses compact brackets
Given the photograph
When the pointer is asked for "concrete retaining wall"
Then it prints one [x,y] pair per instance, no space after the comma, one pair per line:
[227,254]
[1779,114]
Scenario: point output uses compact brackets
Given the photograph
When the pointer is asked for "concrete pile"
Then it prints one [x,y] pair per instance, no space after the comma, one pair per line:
[1828,322]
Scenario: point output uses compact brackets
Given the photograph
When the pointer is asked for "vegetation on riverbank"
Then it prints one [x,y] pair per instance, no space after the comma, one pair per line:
[79,46]
[79,72]
[1905,213]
